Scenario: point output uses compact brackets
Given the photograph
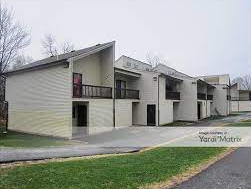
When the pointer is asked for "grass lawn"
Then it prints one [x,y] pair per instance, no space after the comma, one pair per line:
[15,139]
[115,172]
[245,123]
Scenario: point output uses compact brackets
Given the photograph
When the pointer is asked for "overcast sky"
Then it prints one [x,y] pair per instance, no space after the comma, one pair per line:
[196,37]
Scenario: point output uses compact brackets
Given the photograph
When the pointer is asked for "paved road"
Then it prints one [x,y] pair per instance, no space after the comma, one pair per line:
[118,141]
[224,120]
[232,172]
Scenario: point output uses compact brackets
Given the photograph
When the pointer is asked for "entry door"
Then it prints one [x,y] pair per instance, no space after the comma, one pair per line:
[151,115]
[82,115]
[198,110]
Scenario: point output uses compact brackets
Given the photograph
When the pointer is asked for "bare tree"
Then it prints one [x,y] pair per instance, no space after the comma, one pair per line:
[67,47]
[243,81]
[51,48]
[21,60]
[154,60]
[13,37]
[49,45]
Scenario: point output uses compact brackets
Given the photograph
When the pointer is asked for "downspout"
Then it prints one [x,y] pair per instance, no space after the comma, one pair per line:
[158,100]
[238,100]
[114,106]
[71,89]
[230,98]
[114,83]
[206,103]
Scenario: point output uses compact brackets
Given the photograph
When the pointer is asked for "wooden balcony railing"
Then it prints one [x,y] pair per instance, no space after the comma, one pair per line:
[172,95]
[210,97]
[91,91]
[201,96]
[126,94]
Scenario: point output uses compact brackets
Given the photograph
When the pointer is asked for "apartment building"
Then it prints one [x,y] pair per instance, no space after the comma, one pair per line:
[85,92]
[221,103]
[241,99]
[166,95]
[65,95]
[205,96]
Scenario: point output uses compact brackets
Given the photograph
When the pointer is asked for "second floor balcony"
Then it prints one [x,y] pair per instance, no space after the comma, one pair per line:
[201,96]
[172,95]
[126,94]
[91,91]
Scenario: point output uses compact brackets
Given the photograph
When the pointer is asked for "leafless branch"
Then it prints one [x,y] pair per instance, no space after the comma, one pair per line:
[49,45]
[154,60]
[243,81]
[13,37]
[67,47]
[21,60]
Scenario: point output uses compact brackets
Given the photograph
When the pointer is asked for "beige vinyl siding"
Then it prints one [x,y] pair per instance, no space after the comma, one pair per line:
[244,95]
[107,66]
[165,106]
[235,106]
[90,69]
[148,88]
[220,103]
[123,114]
[241,106]
[166,112]
[187,108]
[96,69]
[40,101]
[100,115]
[234,92]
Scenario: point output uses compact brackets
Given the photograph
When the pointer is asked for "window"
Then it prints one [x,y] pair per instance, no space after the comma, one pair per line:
[120,89]
[136,66]
[147,69]
[77,78]
[169,86]
[77,85]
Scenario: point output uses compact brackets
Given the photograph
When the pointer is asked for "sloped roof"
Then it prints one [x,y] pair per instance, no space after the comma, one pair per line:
[205,83]
[61,57]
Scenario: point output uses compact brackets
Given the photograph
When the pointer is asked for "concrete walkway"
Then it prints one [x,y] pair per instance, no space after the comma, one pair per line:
[232,172]
[118,141]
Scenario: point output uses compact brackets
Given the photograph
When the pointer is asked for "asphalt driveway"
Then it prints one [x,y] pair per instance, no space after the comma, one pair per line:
[118,141]
[231,172]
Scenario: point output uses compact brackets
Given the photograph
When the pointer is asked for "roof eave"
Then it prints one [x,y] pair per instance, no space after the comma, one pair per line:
[171,77]
[51,64]
[111,44]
